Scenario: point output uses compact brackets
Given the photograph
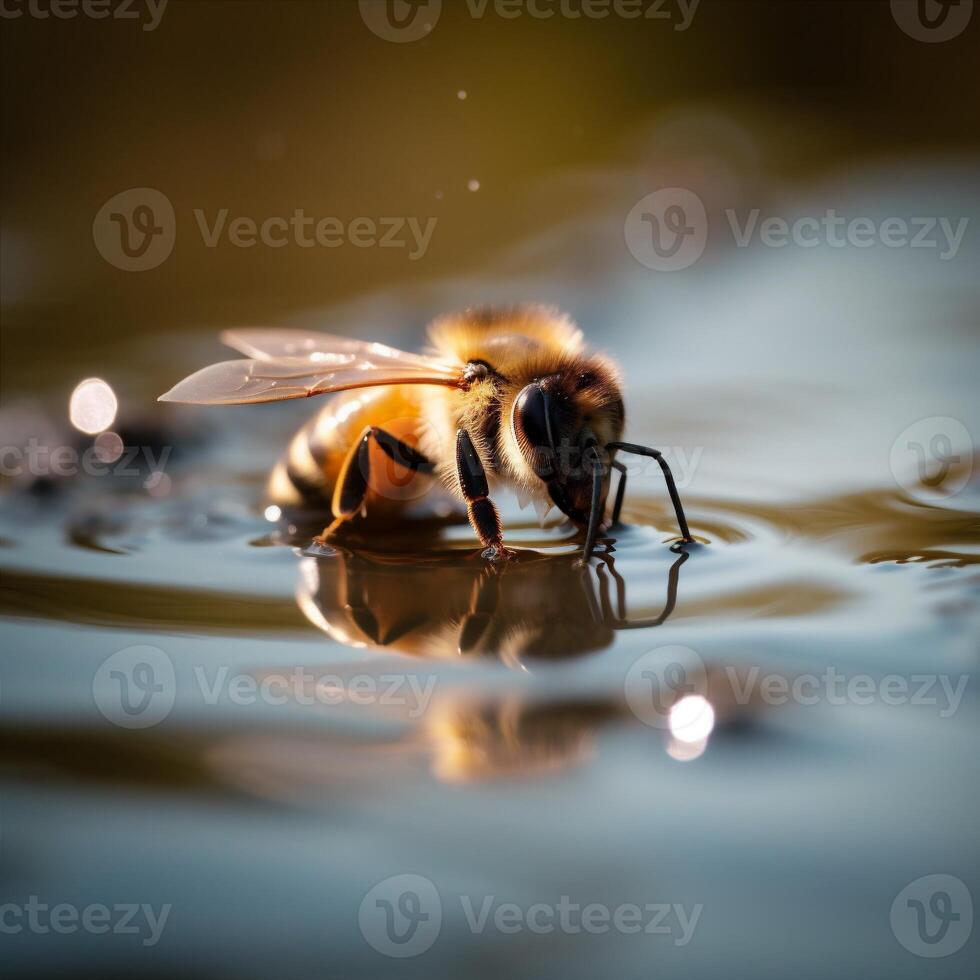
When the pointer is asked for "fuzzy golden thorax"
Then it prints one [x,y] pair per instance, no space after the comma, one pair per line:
[540,353]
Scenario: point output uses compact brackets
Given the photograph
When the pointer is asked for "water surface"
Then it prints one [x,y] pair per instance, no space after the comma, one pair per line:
[423,715]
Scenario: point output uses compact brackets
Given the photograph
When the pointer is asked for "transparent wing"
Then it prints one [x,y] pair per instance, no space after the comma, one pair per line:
[265,344]
[255,380]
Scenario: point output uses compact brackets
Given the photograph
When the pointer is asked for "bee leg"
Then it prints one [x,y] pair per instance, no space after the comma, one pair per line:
[620,490]
[483,604]
[355,474]
[479,507]
[628,447]
[595,507]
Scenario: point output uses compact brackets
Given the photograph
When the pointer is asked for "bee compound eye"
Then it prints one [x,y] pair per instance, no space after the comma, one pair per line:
[536,426]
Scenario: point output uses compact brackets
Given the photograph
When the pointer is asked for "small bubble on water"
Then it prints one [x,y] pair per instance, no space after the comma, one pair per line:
[461,95]
[474,185]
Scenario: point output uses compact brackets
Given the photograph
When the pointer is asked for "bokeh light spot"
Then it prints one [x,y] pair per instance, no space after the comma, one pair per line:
[92,407]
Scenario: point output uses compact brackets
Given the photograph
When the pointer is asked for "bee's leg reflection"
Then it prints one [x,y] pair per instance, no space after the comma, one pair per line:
[483,605]
[355,474]
[356,600]
[619,620]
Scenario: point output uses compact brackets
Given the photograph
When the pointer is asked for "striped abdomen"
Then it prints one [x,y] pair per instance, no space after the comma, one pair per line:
[306,475]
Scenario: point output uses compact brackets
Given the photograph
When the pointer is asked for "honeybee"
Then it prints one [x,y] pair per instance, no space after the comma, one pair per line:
[506,396]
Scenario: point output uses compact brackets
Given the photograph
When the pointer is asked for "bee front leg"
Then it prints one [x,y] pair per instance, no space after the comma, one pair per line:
[479,507]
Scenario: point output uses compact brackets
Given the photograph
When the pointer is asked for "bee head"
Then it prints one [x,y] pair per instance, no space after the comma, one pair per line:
[558,421]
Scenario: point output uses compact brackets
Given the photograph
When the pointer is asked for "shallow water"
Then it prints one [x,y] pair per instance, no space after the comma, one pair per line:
[329,721]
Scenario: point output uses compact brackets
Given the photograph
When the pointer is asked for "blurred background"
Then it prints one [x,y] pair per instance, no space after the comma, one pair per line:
[812,383]
[266,108]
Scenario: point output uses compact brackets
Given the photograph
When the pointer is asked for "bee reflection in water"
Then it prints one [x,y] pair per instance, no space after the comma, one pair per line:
[532,608]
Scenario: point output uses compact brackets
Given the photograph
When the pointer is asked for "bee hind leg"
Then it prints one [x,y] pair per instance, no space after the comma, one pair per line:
[355,475]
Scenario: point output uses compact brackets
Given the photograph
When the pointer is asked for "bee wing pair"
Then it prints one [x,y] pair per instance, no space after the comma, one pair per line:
[284,364]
